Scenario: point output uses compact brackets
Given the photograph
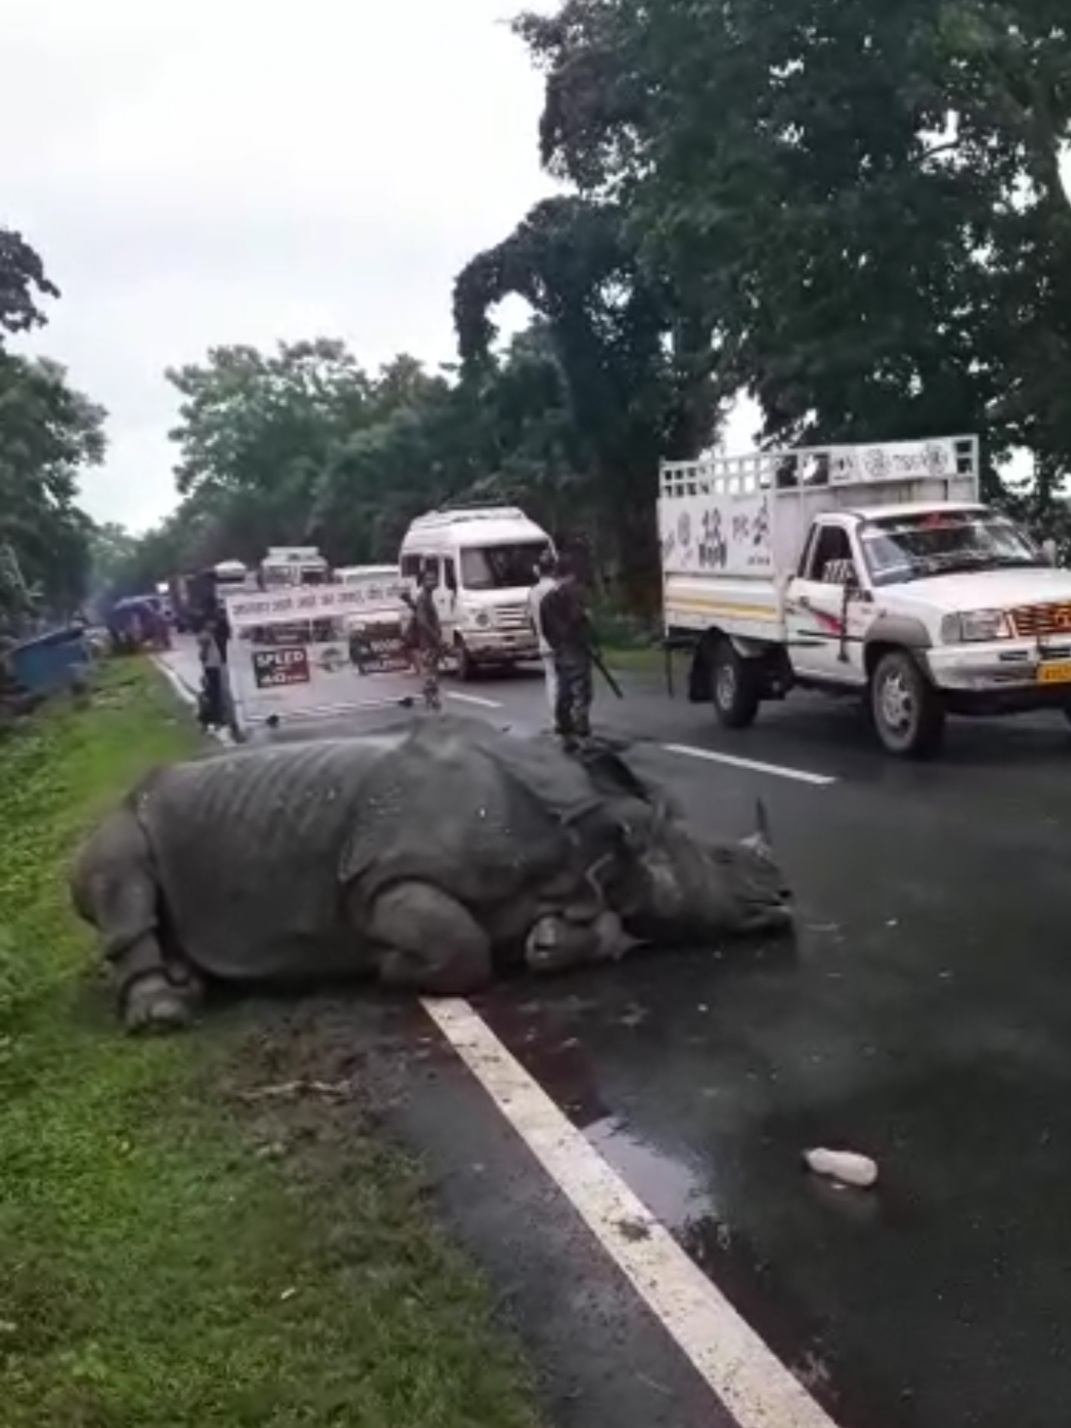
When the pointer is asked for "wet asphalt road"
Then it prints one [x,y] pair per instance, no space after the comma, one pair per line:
[924,1017]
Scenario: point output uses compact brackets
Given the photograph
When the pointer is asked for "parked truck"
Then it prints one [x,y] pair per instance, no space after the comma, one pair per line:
[200,592]
[873,572]
[288,565]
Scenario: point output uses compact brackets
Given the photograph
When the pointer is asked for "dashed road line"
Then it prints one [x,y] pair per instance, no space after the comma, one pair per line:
[474,699]
[774,770]
[743,1372]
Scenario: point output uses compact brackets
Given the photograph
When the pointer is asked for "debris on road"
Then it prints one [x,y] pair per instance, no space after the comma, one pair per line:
[845,1166]
[338,1090]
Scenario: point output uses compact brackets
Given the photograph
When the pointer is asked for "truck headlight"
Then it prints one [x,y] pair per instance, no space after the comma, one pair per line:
[975,626]
[481,620]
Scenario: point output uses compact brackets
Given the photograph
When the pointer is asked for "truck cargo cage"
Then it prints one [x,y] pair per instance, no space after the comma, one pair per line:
[950,459]
[746,517]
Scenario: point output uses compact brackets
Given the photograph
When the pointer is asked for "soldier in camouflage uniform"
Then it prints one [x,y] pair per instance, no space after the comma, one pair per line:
[568,630]
[428,639]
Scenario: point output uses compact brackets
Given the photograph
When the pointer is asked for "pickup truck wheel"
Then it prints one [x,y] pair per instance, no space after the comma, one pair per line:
[908,713]
[733,687]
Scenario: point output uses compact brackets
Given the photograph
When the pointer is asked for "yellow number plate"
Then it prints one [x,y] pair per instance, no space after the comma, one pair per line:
[1058,672]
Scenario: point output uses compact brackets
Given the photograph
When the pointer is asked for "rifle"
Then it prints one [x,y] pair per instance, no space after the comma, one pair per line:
[597,661]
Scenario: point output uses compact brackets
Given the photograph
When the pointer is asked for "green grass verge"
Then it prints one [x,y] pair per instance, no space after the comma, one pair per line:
[649,660]
[167,1257]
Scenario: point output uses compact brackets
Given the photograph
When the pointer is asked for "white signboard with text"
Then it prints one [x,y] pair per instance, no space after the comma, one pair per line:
[311,651]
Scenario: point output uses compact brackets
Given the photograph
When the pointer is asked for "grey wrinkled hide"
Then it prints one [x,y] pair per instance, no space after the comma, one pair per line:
[443,838]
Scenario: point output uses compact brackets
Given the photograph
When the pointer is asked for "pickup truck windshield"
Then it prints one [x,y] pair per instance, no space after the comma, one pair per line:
[902,548]
[501,567]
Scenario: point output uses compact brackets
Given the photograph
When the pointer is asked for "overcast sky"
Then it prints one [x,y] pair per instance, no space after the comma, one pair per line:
[237,172]
[196,174]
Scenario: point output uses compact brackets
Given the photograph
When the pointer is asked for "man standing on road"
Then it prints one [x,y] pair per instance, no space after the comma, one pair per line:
[212,712]
[568,630]
[544,583]
[222,626]
[428,638]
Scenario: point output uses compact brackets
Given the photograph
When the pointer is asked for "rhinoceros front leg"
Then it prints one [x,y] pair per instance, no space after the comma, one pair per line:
[115,890]
[556,942]
[430,942]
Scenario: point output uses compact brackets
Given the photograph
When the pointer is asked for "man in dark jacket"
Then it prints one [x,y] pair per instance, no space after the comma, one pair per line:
[567,628]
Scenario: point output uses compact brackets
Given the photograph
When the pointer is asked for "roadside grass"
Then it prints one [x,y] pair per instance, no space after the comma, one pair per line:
[646,660]
[167,1257]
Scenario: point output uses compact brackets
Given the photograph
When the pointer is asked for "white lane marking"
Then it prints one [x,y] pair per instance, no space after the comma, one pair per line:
[182,688]
[776,770]
[743,1372]
[474,699]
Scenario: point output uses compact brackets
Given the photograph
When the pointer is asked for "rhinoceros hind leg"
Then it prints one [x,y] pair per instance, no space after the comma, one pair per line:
[114,888]
[431,942]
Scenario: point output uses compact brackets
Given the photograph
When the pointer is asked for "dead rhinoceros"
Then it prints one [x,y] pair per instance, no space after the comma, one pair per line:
[428,856]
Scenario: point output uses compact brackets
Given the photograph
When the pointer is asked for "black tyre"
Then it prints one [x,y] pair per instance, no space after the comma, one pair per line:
[907,712]
[734,687]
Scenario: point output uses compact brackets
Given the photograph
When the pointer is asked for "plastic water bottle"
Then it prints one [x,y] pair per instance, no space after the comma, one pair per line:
[845,1166]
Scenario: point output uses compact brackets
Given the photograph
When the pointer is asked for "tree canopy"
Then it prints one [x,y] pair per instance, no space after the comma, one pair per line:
[49,433]
[853,213]
[861,204]
[22,282]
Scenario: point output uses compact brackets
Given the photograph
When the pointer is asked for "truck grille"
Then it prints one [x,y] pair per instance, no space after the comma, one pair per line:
[511,617]
[1033,621]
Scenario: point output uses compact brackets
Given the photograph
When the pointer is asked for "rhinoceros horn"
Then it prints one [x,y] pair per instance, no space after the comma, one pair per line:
[761,840]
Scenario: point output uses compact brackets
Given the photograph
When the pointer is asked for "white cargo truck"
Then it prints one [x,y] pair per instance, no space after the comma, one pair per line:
[869,571]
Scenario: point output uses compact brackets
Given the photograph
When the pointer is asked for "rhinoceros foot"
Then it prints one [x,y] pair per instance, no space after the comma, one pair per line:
[556,942]
[156,1005]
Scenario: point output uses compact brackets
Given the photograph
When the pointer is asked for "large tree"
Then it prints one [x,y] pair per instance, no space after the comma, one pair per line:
[864,201]
[624,349]
[256,431]
[22,282]
[49,433]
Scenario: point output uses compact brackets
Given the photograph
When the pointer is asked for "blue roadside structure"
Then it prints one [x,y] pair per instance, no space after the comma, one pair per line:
[52,662]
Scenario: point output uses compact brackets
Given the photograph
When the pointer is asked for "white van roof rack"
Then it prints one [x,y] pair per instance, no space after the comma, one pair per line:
[456,515]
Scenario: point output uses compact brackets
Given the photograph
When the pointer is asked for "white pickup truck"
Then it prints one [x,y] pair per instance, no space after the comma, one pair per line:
[869,571]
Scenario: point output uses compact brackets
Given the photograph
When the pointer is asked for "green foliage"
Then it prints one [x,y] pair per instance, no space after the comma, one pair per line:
[620,340]
[171,1257]
[852,212]
[48,434]
[862,201]
[22,279]
[305,444]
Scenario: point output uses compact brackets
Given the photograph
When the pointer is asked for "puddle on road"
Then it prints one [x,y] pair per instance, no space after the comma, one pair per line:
[670,1189]
[680,1189]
